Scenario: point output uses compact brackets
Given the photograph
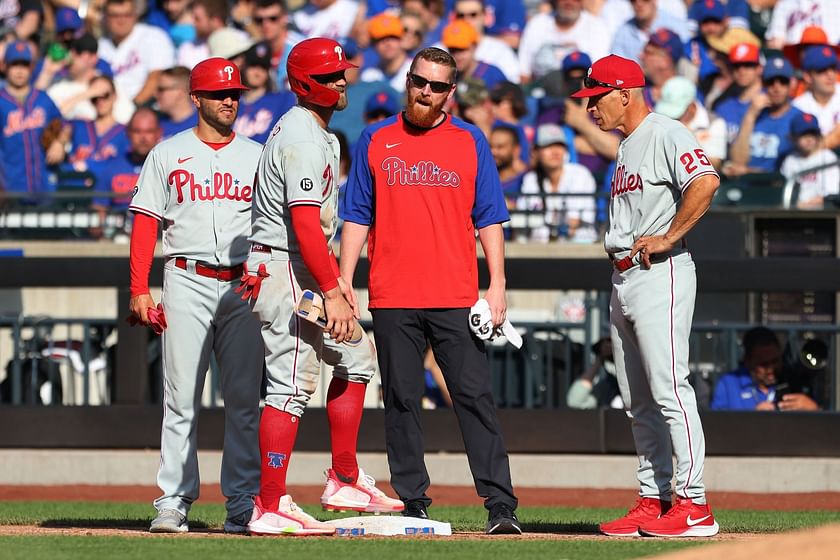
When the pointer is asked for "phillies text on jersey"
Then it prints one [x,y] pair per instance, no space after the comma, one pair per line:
[654,165]
[196,190]
[429,197]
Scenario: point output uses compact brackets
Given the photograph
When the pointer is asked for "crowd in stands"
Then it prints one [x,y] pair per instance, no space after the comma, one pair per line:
[88,84]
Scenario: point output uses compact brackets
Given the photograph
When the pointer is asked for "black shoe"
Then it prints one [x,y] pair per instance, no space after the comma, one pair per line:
[502,521]
[415,508]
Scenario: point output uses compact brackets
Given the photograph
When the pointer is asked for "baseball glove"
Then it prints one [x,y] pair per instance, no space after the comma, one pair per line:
[52,132]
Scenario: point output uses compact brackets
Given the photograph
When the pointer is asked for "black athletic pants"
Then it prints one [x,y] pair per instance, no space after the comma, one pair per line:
[401,336]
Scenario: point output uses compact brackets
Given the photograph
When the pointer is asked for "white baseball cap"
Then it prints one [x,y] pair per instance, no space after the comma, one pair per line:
[677,94]
[228,43]
[550,133]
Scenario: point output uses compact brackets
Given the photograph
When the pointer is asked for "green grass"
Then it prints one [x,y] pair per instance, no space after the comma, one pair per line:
[31,548]
[581,521]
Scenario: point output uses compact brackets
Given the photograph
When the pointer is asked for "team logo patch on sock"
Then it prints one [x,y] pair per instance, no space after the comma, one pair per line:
[275,460]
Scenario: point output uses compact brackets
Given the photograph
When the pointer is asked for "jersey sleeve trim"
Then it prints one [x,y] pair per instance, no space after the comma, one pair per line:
[139,210]
[305,202]
[693,177]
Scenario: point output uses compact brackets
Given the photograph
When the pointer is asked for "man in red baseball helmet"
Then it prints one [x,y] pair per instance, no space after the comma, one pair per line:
[293,223]
[199,183]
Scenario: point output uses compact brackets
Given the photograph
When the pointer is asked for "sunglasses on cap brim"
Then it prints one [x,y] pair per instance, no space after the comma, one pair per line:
[592,83]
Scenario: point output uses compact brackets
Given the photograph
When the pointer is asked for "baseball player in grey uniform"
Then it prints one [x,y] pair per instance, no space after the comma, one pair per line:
[199,184]
[662,185]
[294,220]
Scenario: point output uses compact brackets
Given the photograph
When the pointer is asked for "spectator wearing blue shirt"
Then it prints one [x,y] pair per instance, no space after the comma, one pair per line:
[505,20]
[660,58]
[764,138]
[509,108]
[261,105]
[380,106]
[272,19]
[746,74]
[633,35]
[118,175]
[735,12]
[174,103]
[754,385]
[710,16]
[461,39]
[506,149]
[351,121]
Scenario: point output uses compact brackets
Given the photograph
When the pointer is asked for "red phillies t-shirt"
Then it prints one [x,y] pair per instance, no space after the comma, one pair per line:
[423,192]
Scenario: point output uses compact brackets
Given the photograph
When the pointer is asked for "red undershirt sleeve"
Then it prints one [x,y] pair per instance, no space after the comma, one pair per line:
[143,239]
[306,221]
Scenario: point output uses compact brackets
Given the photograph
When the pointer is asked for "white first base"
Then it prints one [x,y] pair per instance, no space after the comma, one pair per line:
[389,525]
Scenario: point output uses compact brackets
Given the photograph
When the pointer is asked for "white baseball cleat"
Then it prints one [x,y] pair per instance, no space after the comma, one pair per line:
[362,495]
[169,521]
[288,519]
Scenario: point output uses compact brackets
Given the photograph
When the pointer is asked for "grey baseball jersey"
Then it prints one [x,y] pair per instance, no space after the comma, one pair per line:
[182,175]
[298,166]
[651,309]
[653,167]
[203,196]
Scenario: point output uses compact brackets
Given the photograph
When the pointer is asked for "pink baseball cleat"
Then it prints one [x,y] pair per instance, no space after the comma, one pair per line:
[362,495]
[288,519]
[685,519]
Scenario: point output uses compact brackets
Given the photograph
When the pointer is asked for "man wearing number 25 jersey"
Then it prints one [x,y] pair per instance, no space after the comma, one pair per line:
[663,184]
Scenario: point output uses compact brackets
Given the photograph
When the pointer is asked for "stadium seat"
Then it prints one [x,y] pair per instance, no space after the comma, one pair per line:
[756,190]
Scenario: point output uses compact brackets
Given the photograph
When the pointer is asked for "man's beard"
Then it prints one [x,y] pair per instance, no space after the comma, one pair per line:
[504,164]
[341,104]
[218,120]
[423,116]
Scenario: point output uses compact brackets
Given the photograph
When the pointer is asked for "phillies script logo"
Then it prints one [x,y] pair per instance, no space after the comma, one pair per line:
[224,187]
[424,173]
[623,183]
[17,121]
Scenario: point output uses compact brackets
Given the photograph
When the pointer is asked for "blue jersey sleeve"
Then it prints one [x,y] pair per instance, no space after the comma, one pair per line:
[50,109]
[358,192]
[489,207]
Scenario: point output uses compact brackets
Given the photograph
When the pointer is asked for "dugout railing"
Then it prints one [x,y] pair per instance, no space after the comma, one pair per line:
[67,213]
[70,361]
[131,422]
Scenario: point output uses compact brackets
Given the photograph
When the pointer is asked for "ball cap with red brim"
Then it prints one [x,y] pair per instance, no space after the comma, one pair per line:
[609,73]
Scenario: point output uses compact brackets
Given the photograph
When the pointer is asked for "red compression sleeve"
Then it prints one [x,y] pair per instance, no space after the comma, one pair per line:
[306,221]
[143,239]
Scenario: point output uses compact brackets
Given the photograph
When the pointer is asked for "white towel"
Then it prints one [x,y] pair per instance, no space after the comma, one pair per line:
[481,323]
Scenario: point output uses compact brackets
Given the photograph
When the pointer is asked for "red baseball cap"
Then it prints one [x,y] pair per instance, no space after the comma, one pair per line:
[609,73]
[744,53]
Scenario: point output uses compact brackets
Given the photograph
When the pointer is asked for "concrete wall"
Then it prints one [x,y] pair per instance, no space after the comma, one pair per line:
[735,474]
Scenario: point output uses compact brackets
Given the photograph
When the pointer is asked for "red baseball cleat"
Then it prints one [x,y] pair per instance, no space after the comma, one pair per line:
[362,495]
[685,519]
[645,510]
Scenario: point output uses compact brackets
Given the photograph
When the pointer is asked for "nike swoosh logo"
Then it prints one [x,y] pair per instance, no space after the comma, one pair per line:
[692,522]
[182,160]
[389,146]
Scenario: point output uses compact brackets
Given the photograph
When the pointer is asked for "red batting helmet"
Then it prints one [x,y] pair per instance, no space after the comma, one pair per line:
[215,74]
[315,57]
